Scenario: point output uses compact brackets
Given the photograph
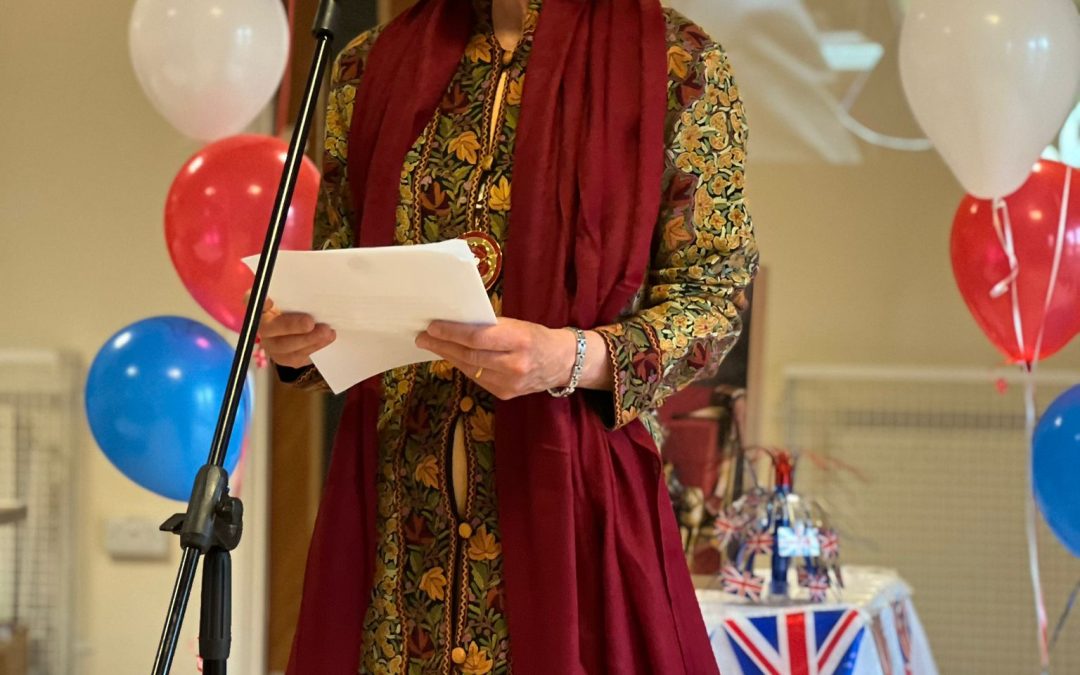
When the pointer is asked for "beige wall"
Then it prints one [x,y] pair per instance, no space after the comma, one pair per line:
[857,259]
[858,269]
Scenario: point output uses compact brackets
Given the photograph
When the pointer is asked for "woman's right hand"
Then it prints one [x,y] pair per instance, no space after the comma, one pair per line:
[290,338]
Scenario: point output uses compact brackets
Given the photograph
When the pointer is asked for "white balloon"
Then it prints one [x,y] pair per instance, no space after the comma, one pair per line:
[209,66]
[990,82]
[1069,141]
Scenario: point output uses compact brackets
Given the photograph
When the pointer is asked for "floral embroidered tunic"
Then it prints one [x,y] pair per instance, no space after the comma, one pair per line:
[437,605]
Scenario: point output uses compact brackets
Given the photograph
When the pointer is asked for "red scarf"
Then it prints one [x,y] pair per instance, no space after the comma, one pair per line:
[595,577]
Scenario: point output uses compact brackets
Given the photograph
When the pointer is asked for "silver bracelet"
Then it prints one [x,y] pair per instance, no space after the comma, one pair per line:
[579,366]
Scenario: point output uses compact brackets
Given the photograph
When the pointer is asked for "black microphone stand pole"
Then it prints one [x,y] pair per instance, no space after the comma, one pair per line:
[213,522]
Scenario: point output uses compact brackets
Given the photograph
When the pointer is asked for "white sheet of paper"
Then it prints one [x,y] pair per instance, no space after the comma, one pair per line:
[378,300]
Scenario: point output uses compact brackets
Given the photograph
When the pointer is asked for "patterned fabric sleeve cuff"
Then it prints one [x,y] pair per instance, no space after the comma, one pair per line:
[307,378]
[615,408]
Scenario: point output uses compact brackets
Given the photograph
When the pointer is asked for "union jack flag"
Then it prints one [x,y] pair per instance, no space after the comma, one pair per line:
[830,543]
[818,585]
[816,581]
[797,541]
[759,541]
[799,643]
[740,583]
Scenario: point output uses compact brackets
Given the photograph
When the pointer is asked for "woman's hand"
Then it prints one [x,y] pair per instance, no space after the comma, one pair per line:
[290,338]
[515,358]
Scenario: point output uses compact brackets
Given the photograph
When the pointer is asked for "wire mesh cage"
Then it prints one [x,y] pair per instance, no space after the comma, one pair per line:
[943,458]
[39,396]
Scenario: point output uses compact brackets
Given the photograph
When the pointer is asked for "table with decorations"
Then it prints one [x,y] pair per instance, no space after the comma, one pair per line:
[775,598]
[868,628]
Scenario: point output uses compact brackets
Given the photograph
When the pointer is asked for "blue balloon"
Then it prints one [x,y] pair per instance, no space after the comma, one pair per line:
[1056,457]
[152,399]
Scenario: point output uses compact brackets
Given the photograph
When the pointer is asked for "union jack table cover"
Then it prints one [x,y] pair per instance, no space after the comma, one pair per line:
[870,628]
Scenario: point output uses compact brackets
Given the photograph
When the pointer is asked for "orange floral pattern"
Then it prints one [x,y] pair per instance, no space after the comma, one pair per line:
[477,661]
[482,545]
[685,321]
[433,582]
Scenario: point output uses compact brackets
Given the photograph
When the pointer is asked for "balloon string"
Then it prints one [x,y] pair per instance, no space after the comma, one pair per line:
[1003,229]
[1059,245]
[1030,525]
[1030,421]
[1064,615]
[1002,286]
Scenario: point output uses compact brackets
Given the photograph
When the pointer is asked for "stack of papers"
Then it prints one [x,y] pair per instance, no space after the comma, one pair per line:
[378,300]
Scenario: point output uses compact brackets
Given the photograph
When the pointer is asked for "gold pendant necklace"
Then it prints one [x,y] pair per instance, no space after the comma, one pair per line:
[486,249]
[488,253]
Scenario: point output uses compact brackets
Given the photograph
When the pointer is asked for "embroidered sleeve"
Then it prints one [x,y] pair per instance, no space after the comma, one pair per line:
[704,248]
[333,211]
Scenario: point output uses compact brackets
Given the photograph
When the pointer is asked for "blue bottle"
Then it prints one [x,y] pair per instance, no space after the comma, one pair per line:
[785,469]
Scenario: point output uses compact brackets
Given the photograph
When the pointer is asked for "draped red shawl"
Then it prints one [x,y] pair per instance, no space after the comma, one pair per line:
[594,573]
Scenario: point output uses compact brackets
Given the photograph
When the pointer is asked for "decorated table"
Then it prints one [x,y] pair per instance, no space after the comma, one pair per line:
[868,628]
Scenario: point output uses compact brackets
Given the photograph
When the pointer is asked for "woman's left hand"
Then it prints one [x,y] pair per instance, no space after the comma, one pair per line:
[510,359]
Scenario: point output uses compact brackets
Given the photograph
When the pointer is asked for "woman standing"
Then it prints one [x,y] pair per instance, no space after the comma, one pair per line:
[503,509]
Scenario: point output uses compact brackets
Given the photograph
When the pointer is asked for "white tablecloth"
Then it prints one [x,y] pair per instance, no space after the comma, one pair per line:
[870,628]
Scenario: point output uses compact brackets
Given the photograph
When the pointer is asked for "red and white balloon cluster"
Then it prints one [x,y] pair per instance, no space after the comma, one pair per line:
[991,82]
[210,67]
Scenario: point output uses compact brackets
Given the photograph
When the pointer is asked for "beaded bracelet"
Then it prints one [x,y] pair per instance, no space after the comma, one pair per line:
[579,366]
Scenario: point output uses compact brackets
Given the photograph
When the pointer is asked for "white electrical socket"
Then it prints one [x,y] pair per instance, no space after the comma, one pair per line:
[136,539]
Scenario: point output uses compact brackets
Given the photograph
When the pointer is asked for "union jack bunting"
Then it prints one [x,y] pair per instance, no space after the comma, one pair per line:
[740,583]
[877,629]
[800,643]
[818,586]
[759,541]
[726,526]
[815,581]
[830,543]
[903,634]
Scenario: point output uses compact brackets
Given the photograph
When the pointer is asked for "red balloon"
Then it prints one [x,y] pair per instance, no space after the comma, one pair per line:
[217,213]
[980,263]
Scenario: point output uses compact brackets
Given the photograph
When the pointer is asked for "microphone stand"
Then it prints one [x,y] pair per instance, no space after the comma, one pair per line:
[213,522]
